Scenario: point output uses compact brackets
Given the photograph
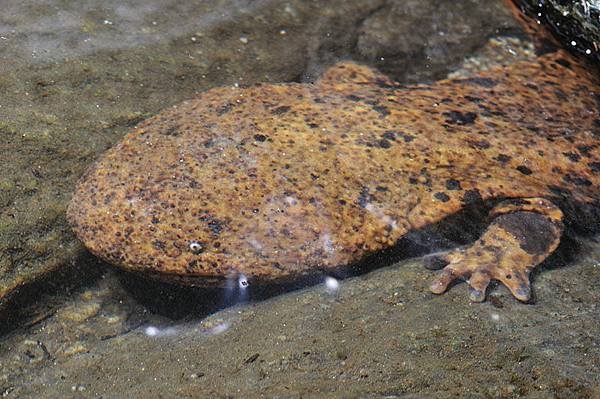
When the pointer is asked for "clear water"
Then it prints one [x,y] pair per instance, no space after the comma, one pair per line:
[75,76]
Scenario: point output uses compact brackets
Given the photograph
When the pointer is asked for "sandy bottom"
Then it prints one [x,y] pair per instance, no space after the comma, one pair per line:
[381,334]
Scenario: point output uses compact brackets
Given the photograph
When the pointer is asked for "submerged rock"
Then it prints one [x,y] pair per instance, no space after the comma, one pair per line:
[420,40]
[576,23]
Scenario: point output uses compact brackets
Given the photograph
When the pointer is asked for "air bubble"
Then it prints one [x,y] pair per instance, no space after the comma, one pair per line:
[332,285]
[151,331]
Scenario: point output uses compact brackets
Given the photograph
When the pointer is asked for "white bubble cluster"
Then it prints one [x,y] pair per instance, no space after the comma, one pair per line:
[153,331]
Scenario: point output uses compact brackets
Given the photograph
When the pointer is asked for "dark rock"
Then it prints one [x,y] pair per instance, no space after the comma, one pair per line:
[416,39]
[575,23]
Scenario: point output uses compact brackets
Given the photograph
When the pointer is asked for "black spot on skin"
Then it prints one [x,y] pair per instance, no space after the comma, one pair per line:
[594,166]
[159,245]
[480,144]
[392,135]
[383,110]
[472,197]
[503,158]
[441,196]
[585,149]
[381,189]
[215,226]
[192,264]
[155,220]
[277,265]
[412,180]
[313,125]
[446,100]
[342,202]
[532,86]
[561,192]
[172,131]
[327,142]
[491,112]
[596,127]
[524,169]
[408,138]
[535,232]
[108,198]
[474,99]
[260,137]
[383,143]
[563,62]
[224,109]
[281,110]
[577,180]
[364,198]
[389,135]
[561,95]
[572,156]
[352,97]
[483,82]
[460,118]
[452,184]
[286,233]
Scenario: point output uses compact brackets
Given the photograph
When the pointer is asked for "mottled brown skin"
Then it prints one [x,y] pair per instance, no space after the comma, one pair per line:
[280,181]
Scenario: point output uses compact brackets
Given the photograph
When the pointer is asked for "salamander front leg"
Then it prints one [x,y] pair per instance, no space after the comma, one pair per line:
[523,233]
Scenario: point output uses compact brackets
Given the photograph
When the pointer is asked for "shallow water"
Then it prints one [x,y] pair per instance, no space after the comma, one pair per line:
[77,76]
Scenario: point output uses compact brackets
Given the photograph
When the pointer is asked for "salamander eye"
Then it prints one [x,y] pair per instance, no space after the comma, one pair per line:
[196,247]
